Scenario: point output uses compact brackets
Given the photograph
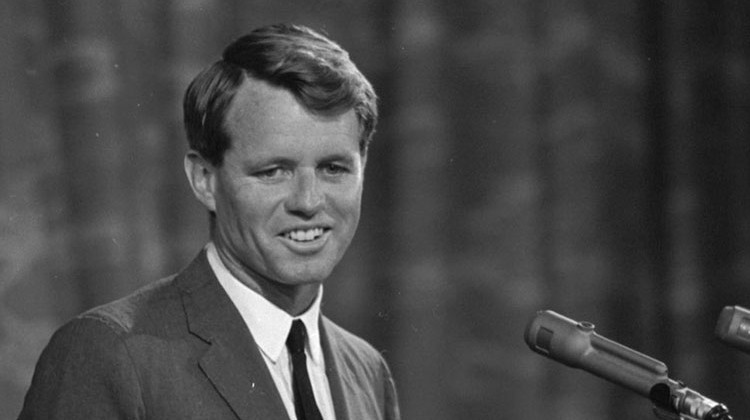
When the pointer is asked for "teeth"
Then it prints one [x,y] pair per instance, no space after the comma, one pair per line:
[305,235]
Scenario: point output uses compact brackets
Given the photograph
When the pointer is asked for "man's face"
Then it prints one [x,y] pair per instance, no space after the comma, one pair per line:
[287,196]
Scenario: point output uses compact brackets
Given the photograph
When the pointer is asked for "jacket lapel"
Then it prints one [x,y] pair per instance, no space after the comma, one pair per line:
[356,390]
[343,387]
[232,361]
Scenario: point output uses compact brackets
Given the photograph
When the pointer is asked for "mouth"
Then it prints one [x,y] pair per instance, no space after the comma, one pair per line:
[305,235]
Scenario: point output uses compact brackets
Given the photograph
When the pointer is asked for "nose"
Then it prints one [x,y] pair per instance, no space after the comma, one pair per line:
[305,198]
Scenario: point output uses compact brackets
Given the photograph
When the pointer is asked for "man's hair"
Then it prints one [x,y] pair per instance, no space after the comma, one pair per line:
[316,70]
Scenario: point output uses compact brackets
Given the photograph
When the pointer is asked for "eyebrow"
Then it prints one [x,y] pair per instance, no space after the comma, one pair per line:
[346,157]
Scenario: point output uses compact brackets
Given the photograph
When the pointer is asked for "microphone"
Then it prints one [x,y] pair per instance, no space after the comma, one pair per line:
[733,327]
[577,345]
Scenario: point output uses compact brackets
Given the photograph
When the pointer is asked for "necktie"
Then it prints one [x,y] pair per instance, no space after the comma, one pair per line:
[304,399]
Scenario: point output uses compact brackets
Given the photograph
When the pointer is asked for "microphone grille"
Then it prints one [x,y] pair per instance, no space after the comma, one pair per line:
[543,340]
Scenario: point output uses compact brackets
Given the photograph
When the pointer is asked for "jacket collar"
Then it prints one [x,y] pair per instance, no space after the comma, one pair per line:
[232,361]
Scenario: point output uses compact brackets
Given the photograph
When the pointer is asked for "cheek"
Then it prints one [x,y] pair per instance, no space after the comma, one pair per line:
[227,208]
[349,204]
[258,214]
[237,211]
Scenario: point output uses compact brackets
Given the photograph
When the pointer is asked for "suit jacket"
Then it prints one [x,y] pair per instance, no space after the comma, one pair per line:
[179,349]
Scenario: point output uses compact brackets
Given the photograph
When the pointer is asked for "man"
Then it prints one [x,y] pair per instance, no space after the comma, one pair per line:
[278,132]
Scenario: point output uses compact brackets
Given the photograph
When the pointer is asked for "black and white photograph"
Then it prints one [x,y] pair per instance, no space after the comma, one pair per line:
[374,210]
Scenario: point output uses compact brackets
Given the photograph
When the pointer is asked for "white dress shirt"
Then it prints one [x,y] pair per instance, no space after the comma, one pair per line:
[270,326]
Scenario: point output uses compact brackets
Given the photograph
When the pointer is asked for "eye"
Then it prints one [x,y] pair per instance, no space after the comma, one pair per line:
[270,174]
[334,169]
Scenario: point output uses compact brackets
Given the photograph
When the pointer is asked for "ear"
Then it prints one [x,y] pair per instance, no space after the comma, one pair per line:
[202,177]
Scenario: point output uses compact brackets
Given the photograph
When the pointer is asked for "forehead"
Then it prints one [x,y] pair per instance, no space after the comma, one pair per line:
[265,115]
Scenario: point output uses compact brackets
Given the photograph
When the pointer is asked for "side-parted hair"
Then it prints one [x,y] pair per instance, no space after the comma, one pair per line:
[316,70]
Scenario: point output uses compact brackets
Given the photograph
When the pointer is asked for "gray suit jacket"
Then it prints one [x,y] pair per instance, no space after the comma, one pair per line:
[179,349]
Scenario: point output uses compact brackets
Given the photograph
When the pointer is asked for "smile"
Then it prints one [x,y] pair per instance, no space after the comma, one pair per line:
[305,235]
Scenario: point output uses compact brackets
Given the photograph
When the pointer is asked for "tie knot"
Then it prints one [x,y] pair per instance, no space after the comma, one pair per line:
[297,336]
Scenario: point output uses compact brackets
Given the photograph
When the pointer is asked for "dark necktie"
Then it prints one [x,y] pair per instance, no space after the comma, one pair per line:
[304,399]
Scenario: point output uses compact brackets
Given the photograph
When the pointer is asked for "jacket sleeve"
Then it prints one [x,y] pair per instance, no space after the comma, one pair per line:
[85,372]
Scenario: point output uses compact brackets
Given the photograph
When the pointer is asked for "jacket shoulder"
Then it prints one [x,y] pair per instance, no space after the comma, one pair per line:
[69,371]
[144,309]
[156,307]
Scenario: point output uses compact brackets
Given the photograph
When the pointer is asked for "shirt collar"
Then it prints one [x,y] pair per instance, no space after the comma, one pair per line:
[269,324]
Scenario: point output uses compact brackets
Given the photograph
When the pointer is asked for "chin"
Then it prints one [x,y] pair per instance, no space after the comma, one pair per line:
[306,275]
[306,270]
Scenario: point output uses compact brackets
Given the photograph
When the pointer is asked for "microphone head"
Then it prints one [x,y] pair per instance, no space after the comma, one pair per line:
[559,337]
[577,345]
[733,327]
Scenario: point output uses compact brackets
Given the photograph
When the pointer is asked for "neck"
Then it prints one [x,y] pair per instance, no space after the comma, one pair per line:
[292,299]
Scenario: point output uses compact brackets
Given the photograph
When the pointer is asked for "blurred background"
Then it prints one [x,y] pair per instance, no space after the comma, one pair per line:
[590,157]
